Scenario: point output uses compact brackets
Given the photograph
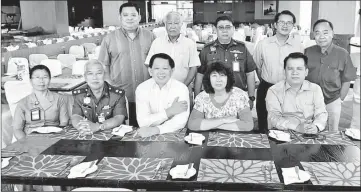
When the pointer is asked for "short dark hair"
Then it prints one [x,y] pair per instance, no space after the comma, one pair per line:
[39,67]
[128,4]
[296,55]
[285,12]
[224,18]
[162,56]
[322,21]
[220,68]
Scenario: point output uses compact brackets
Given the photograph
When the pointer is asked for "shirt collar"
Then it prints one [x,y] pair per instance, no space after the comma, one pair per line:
[48,95]
[176,41]
[166,86]
[105,91]
[217,43]
[329,49]
[304,87]
[126,33]
[290,40]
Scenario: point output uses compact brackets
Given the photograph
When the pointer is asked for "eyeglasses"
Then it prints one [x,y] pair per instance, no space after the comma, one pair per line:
[227,27]
[282,23]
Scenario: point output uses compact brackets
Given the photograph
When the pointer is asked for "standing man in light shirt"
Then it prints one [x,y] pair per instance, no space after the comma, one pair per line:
[331,68]
[182,50]
[123,53]
[162,102]
[268,56]
[295,103]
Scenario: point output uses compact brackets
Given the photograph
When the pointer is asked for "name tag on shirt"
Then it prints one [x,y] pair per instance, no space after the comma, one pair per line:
[101,118]
[35,114]
[235,65]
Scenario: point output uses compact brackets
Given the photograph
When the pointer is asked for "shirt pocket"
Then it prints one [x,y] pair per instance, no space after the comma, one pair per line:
[332,76]
[87,110]
[212,57]
[108,113]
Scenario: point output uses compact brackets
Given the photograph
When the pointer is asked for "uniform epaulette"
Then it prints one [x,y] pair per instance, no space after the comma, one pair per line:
[209,44]
[116,90]
[239,42]
[79,91]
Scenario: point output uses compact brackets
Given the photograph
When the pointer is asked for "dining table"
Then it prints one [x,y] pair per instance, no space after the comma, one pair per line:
[227,161]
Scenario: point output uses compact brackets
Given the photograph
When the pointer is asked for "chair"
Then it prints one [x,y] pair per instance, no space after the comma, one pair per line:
[89,47]
[54,66]
[100,189]
[77,51]
[67,60]
[12,64]
[14,92]
[97,51]
[78,67]
[160,32]
[35,59]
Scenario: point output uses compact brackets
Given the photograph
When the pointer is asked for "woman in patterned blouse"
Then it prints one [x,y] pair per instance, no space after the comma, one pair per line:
[220,106]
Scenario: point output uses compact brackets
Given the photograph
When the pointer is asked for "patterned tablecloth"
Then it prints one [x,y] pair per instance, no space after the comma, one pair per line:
[126,168]
[237,171]
[332,138]
[72,133]
[177,136]
[334,173]
[238,140]
[39,166]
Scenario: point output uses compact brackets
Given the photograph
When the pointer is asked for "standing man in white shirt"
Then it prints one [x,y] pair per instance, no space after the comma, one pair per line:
[162,102]
[182,50]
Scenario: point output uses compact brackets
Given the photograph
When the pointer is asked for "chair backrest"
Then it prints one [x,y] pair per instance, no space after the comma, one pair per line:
[78,67]
[54,66]
[67,60]
[77,50]
[89,47]
[35,59]
[15,91]
[97,51]
[12,64]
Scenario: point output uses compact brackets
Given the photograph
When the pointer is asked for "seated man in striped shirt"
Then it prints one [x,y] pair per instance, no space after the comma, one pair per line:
[295,103]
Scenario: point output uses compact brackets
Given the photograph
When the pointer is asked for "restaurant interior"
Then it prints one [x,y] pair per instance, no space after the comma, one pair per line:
[65,34]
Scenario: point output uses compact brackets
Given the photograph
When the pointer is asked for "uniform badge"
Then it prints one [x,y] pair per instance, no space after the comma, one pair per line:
[87,100]
[101,118]
[236,52]
[35,114]
[213,48]
[106,107]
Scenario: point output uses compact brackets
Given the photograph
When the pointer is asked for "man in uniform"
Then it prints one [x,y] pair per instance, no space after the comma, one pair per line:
[233,54]
[98,106]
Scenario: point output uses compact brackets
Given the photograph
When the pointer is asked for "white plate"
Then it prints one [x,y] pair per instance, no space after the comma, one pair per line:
[290,176]
[77,170]
[178,172]
[280,135]
[47,130]
[5,162]
[353,133]
[122,130]
[195,138]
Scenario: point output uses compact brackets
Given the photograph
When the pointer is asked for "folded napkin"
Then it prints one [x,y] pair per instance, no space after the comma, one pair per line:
[194,138]
[5,162]
[354,133]
[122,130]
[290,176]
[83,169]
[46,130]
[280,135]
[180,171]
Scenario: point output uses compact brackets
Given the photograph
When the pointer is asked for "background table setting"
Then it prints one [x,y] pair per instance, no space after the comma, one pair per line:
[215,160]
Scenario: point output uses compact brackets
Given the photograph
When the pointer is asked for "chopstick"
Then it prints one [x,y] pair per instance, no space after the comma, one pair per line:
[293,133]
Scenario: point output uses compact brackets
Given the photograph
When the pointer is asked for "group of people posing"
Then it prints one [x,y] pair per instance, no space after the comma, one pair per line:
[152,82]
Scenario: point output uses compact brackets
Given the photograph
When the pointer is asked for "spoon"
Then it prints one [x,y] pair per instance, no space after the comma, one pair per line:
[270,167]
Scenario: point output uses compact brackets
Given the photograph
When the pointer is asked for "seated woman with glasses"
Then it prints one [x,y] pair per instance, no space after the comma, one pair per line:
[42,107]
[220,106]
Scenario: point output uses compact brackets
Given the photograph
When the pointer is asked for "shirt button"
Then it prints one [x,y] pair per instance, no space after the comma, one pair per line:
[96,105]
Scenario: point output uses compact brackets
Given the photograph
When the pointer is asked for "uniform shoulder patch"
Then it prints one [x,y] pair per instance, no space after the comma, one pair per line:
[239,42]
[209,44]
[79,91]
[116,90]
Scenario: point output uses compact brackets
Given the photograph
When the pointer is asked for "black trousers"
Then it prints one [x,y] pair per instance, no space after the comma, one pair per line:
[132,115]
[261,105]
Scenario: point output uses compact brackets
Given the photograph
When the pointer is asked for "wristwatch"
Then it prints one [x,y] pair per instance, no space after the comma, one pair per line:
[252,98]
[101,127]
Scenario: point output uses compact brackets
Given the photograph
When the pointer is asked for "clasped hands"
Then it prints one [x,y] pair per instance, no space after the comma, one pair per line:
[86,127]
[305,127]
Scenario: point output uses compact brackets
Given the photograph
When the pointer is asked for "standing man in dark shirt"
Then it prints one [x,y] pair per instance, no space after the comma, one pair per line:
[330,67]
[123,52]
[233,54]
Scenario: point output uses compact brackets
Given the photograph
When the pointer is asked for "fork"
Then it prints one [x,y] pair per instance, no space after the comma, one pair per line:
[269,168]
[310,169]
